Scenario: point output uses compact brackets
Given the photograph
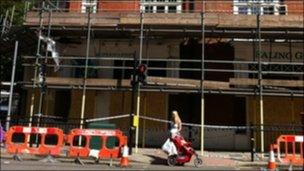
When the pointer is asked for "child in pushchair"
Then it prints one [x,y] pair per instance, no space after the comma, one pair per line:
[179,150]
[184,152]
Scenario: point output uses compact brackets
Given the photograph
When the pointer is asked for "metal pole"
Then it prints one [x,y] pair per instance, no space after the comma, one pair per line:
[25,10]
[8,117]
[144,122]
[134,87]
[85,72]
[138,84]
[43,86]
[12,17]
[4,23]
[36,64]
[202,79]
[260,77]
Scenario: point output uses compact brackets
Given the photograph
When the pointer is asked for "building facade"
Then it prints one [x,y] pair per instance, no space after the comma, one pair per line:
[172,50]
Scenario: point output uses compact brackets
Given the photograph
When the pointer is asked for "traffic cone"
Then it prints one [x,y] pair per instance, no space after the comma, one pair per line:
[124,162]
[271,163]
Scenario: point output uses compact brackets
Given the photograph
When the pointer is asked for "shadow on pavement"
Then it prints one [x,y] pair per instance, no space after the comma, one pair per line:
[157,160]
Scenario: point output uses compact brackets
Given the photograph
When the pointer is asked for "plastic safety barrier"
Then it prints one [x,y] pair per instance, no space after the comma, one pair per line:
[290,149]
[86,135]
[42,134]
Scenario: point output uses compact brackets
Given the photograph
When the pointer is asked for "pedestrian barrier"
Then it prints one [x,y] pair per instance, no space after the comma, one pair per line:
[42,136]
[290,149]
[79,141]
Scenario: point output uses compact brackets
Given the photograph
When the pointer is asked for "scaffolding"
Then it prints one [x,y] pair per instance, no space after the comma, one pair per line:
[201,29]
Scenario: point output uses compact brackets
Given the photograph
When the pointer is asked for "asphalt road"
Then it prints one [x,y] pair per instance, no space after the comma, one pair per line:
[9,164]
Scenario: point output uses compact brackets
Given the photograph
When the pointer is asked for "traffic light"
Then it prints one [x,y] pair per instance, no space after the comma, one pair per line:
[141,72]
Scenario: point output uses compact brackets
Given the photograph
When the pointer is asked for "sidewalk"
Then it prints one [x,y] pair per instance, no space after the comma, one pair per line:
[238,160]
[229,159]
[154,156]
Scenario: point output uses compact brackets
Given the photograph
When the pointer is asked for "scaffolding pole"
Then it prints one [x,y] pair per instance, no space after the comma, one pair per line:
[36,64]
[85,72]
[12,17]
[202,80]
[43,71]
[4,23]
[261,109]
[9,111]
[134,86]
[138,84]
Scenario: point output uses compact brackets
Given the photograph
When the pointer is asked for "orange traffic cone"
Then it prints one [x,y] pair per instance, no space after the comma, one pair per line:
[271,163]
[124,162]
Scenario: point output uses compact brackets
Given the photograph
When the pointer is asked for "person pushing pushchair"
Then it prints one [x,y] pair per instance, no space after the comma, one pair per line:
[176,124]
[178,149]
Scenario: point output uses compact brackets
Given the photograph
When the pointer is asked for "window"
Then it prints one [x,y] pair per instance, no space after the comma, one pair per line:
[59,4]
[161,6]
[79,71]
[268,10]
[254,10]
[87,9]
[87,4]
[268,7]
[160,9]
[243,10]
[172,9]
[148,9]
[158,72]
[282,10]
[268,1]
[123,72]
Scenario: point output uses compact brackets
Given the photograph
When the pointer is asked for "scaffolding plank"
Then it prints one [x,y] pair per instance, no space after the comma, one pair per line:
[158,81]
[90,81]
[187,83]
[267,82]
[220,20]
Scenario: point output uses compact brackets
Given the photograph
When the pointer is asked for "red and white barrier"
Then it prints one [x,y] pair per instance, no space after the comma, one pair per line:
[290,149]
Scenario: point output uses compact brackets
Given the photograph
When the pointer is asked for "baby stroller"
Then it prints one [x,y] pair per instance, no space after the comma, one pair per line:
[184,152]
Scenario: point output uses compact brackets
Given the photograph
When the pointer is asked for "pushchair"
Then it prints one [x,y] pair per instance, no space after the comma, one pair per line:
[184,152]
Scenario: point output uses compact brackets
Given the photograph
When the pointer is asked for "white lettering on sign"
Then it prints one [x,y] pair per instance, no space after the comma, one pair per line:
[27,129]
[34,130]
[42,130]
[97,132]
[299,138]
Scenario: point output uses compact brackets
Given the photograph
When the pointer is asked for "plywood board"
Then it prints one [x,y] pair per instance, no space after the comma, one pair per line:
[187,83]
[90,81]
[267,82]
[158,81]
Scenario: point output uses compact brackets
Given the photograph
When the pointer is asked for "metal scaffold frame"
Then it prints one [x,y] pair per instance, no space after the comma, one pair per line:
[202,30]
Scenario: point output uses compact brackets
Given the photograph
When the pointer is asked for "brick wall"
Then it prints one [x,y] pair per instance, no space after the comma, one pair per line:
[295,7]
[213,6]
[75,6]
[121,6]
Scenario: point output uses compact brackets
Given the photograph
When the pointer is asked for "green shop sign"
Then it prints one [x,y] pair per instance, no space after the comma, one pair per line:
[282,55]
